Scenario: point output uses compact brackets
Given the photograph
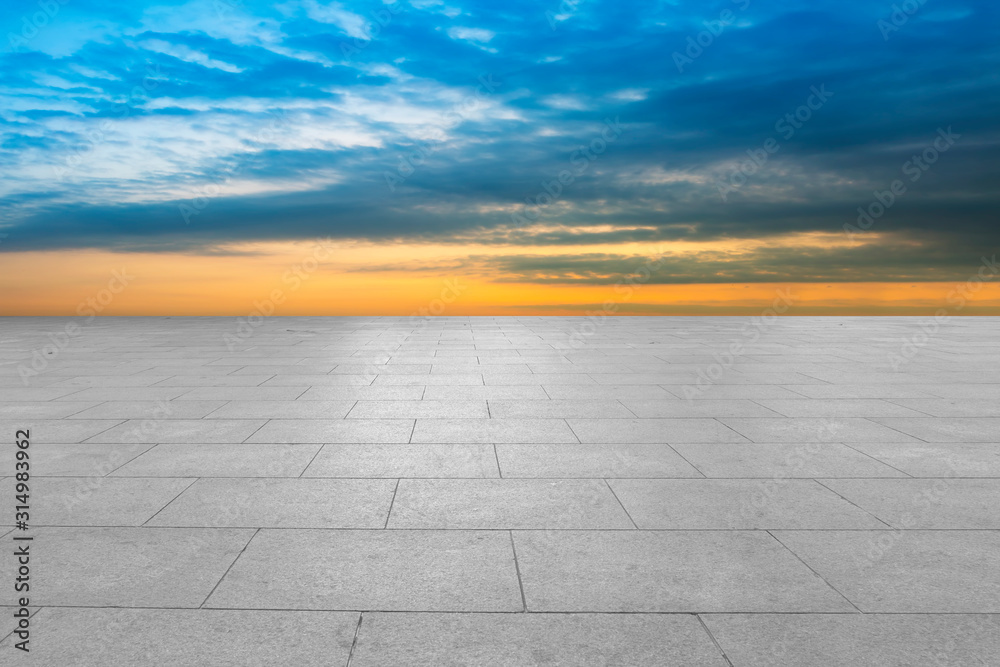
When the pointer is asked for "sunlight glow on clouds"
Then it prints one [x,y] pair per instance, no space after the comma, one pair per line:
[114,117]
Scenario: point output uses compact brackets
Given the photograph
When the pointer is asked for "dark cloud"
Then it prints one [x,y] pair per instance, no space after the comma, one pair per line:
[350,118]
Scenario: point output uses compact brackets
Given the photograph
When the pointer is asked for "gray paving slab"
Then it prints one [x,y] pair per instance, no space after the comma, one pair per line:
[534,379]
[425,409]
[738,504]
[280,503]
[220,460]
[470,393]
[244,393]
[282,410]
[947,429]
[714,392]
[176,409]
[78,460]
[124,394]
[549,640]
[287,431]
[836,407]
[653,430]
[848,640]
[926,503]
[418,474]
[362,393]
[817,429]
[98,501]
[157,430]
[857,391]
[186,638]
[705,408]
[492,431]
[784,460]
[397,461]
[604,392]
[214,380]
[952,407]
[447,379]
[906,571]
[59,431]
[667,571]
[558,409]
[950,459]
[600,460]
[393,570]
[19,393]
[21,410]
[129,567]
[506,504]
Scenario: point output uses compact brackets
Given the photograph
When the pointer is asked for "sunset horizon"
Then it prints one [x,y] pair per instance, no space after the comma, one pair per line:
[544,158]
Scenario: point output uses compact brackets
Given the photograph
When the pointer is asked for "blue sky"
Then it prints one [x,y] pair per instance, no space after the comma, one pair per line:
[189,126]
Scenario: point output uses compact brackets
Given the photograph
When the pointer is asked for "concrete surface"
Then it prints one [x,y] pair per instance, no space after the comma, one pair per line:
[505,491]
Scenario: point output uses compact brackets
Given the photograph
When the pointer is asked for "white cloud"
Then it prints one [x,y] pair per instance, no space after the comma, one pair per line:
[187,54]
[334,13]
[478,35]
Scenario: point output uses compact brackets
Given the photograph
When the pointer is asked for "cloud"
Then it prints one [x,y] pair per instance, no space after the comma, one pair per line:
[466,158]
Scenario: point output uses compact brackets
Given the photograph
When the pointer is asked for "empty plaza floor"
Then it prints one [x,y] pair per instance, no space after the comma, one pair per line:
[503,491]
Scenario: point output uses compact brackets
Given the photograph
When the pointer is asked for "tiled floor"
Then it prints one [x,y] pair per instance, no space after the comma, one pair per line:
[506,491]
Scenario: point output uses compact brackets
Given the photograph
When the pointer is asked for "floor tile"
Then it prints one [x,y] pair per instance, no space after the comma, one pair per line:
[179,431]
[950,459]
[667,571]
[515,640]
[908,571]
[425,409]
[506,504]
[847,640]
[492,431]
[653,430]
[783,460]
[287,431]
[188,637]
[98,501]
[280,503]
[821,429]
[926,503]
[130,567]
[948,429]
[395,461]
[396,570]
[601,460]
[220,460]
[282,410]
[737,504]
[176,409]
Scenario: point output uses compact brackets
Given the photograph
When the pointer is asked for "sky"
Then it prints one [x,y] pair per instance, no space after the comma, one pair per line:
[485,158]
